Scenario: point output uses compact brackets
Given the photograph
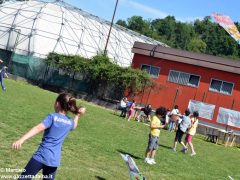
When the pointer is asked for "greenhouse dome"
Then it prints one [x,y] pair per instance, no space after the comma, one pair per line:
[35,28]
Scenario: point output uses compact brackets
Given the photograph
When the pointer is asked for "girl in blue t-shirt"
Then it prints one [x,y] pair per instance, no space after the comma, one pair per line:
[56,127]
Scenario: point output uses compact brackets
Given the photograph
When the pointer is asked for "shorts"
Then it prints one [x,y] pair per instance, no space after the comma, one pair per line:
[153,142]
[34,166]
[189,138]
[179,135]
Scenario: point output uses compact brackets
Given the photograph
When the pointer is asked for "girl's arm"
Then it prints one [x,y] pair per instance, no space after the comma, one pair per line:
[76,118]
[154,126]
[35,130]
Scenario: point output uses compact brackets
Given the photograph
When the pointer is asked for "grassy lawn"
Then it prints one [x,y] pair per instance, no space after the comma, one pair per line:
[92,151]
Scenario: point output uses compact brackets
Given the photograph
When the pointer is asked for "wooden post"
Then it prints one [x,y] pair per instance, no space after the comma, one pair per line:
[176,95]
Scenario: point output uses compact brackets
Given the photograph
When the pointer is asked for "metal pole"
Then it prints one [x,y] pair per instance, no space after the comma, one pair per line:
[13,50]
[105,49]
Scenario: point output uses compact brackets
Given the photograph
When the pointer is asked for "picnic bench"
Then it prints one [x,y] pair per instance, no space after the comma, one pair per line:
[213,135]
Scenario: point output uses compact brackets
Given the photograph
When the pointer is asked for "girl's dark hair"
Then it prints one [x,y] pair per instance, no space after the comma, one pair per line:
[148,105]
[176,107]
[195,114]
[67,103]
[187,112]
[161,111]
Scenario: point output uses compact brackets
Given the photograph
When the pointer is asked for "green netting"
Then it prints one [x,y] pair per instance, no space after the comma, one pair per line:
[5,56]
[65,81]
[20,58]
[58,80]
[35,69]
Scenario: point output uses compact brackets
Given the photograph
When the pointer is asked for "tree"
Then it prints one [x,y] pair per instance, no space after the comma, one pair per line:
[218,41]
[165,29]
[202,36]
[122,23]
[184,33]
[196,45]
[136,23]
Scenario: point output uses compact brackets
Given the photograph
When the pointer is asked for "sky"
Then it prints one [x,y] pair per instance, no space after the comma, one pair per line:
[182,10]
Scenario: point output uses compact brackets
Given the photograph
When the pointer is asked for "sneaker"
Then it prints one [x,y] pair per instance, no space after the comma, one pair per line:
[174,149]
[152,160]
[193,154]
[149,161]
[184,150]
[146,160]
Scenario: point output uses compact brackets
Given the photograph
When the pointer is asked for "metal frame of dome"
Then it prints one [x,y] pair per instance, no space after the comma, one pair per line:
[35,28]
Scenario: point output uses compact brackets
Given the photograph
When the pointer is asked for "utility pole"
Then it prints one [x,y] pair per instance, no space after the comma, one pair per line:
[105,49]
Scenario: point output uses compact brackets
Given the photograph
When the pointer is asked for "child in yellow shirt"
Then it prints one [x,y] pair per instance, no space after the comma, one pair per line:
[153,140]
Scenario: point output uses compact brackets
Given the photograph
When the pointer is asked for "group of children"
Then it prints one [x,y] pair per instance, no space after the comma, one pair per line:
[185,125]
[57,125]
[173,120]
[129,108]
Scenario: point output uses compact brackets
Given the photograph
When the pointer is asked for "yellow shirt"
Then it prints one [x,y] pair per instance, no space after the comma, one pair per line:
[193,129]
[155,121]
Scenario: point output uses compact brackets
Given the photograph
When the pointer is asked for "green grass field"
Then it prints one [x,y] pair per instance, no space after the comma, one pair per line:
[92,151]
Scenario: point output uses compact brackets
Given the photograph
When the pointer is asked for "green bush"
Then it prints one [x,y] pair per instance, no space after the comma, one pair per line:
[101,73]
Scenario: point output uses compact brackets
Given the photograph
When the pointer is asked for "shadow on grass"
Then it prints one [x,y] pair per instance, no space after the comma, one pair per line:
[117,114]
[133,156]
[167,147]
[99,178]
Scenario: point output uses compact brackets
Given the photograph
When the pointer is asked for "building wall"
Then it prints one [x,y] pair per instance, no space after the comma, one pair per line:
[172,93]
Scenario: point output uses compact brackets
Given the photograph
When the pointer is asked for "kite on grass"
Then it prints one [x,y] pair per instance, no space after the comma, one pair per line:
[132,167]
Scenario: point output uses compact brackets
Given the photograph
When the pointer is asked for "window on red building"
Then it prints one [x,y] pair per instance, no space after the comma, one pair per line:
[220,86]
[152,70]
[184,78]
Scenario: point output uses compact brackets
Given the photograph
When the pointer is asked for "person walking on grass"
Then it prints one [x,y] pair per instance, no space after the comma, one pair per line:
[3,74]
[182,128]
[155,126]
[131,111]
[146,111]
[56,127]
[123,107]
[191,132]
[173,118]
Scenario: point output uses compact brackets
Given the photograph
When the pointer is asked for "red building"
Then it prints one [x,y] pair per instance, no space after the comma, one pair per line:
[191,80]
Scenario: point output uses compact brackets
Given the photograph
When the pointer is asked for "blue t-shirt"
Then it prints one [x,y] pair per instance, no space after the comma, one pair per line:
[57,128]
[129,103]
[185,123]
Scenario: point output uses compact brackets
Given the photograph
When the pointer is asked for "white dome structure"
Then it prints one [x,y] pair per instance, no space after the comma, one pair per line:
[35,28]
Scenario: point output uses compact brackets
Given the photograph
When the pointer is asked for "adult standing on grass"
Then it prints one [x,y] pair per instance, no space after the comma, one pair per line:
[146,111]
[182,128]
[123,107]
[153,140]
[3,74]
[173,118]
[56,127]
[191,132]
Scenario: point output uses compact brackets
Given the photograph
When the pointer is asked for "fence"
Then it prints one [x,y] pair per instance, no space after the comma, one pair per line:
[36,70]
